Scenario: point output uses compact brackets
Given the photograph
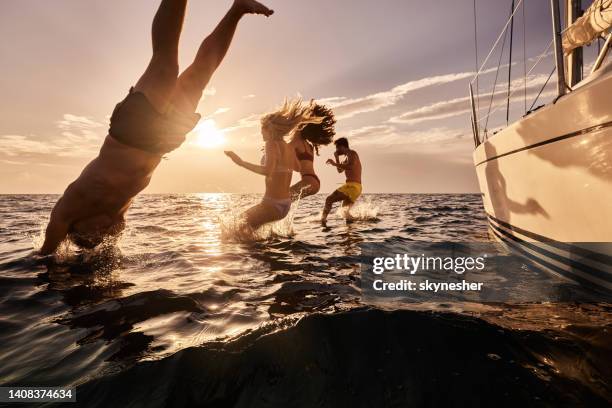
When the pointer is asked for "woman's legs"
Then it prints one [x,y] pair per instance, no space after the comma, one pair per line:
[193,80]
[261,214]
[304,188]
[159,79]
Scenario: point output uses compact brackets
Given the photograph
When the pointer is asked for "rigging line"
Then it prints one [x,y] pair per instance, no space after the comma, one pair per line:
[495,44]
[510,62]
[524,59]
[476,58]
[542,55]
[598,45]
[542,89]
[501,54]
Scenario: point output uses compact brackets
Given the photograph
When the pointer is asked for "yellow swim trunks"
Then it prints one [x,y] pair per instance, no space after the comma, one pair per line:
[351,189]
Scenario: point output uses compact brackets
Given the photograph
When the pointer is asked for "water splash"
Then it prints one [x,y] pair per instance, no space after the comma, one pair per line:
[233,227]
[38,238]
[64,250]
[67,252]
[363,210]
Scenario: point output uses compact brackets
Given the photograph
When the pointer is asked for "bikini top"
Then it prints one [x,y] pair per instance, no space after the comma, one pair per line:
[305,155]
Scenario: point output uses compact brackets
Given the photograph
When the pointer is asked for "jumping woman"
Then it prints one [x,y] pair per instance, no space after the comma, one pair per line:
[278,163]
[151,121]
[306,142]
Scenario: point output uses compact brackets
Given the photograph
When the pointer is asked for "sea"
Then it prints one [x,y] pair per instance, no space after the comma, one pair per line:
[186,310]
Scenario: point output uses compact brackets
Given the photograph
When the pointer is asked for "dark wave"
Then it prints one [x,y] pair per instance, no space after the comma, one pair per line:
[371,358]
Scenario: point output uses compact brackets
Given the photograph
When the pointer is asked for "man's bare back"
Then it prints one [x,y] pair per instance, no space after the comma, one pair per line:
[352,171]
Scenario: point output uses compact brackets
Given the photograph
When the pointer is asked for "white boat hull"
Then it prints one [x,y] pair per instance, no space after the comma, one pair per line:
[546,182]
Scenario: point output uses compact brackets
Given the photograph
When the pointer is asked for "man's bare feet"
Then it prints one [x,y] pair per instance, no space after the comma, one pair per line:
[252,7]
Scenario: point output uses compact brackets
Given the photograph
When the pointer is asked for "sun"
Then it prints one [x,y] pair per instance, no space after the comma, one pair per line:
[207,135]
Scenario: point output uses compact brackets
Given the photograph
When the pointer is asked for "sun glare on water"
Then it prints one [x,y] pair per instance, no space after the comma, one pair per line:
[207,135]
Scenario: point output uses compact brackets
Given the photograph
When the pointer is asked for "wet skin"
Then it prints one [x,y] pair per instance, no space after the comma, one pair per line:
[94,205]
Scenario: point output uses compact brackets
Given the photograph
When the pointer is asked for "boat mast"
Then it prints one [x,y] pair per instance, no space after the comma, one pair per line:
[573,10]
[556,23]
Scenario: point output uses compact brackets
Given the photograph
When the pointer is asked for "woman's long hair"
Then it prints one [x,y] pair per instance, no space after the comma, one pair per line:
[293,114]
[320,134]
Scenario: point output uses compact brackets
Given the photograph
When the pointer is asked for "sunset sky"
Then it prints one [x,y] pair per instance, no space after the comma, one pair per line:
[396,72]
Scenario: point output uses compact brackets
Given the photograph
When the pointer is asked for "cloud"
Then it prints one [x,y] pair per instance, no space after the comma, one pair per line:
[79,136]
[15,145]
[69,122]
[250,121]
[388,135]
[370,130]
[378,135]
[29,163]
[210,91]
[441,135]
[459,106]
[220,111]
[435,111]
[80,131]
[249,96]
[14,162]
[347,107]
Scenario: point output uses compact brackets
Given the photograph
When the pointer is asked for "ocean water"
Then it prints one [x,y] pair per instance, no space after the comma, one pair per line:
[185,311]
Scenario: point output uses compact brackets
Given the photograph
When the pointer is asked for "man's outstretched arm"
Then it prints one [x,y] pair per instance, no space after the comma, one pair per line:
[56,232]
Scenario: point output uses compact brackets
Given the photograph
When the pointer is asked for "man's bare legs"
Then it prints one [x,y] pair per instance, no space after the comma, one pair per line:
[192,82]
[329,202]
[159,82]
[159,79]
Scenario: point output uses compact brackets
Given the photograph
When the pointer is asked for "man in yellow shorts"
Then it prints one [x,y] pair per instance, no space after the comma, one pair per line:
[350,191]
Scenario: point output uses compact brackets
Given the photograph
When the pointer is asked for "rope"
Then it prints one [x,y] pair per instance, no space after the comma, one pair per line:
[524,59]
[598,45]
[503,33]
[476,57]
[542,89]
[501,54]
[542,55]
[496,42]
[510,62]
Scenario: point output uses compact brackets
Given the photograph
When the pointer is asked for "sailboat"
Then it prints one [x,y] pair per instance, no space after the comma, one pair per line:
[546,179]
